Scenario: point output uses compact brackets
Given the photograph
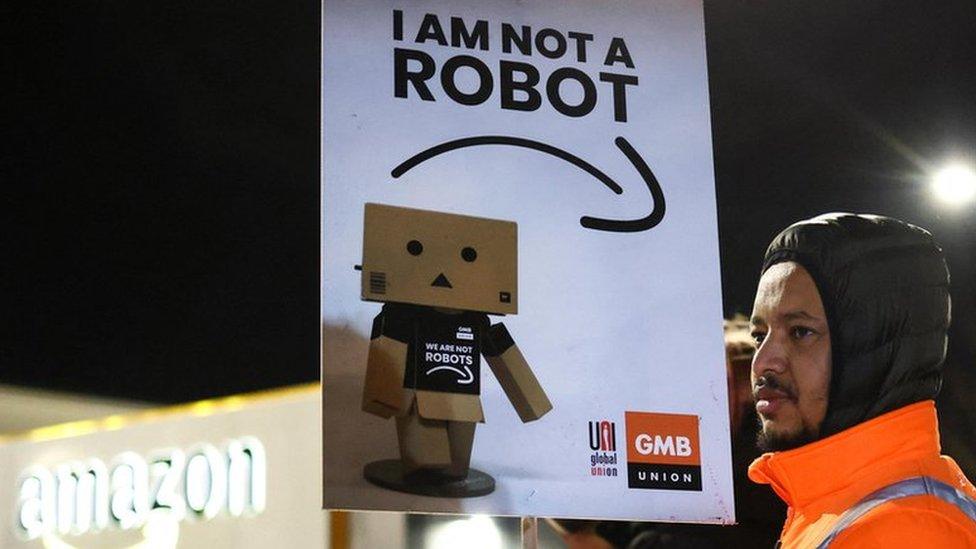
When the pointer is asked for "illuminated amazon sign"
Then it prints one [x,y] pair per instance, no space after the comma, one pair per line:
[82,496]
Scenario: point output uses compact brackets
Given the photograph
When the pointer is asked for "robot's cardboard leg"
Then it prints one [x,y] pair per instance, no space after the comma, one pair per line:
[424,443]
[434,460]
[460,435]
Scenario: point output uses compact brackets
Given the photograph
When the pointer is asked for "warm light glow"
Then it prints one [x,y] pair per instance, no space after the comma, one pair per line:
[200,409]
[955,184]
[477,532]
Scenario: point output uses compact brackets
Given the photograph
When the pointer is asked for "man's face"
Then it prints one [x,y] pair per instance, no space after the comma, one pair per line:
[791,368]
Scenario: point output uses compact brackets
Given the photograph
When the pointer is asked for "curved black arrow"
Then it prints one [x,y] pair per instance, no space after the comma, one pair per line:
[595,223]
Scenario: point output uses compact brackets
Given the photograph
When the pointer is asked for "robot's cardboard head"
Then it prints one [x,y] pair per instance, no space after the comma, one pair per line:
[440,260]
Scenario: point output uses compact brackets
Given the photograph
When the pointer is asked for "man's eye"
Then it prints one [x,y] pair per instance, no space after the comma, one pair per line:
[758,337]
[800,332]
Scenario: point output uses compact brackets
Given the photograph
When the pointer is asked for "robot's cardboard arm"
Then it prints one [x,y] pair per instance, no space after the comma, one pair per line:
[383,392]
[515,375]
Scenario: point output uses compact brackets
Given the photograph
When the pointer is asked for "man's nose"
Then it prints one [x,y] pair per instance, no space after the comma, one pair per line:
[771,356]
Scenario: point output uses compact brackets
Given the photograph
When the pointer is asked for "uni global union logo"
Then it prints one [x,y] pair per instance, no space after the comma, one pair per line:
[603,444]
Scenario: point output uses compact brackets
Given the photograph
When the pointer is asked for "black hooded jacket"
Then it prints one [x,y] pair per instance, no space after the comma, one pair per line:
[885,289]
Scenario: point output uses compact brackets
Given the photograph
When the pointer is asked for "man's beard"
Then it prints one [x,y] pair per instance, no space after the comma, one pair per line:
[778,442]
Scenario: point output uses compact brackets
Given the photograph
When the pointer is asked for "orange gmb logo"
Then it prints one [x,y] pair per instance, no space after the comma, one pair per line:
[663,451]
[662,438]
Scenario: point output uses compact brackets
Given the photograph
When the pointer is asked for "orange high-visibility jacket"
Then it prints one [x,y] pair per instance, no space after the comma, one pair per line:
[821,480]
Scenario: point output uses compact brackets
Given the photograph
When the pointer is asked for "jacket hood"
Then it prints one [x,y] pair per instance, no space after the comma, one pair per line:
[885,289]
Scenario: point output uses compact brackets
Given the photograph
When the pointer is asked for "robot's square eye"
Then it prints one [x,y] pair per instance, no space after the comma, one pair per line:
[504,297]
[415,247]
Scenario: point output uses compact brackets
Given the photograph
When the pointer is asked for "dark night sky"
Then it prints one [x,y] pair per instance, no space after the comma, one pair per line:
[162,188]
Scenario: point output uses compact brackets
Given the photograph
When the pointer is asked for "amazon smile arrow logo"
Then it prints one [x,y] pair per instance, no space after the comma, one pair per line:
[599,224]
[467,375]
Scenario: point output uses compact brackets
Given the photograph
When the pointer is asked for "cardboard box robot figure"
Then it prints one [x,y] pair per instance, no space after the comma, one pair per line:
[439,275]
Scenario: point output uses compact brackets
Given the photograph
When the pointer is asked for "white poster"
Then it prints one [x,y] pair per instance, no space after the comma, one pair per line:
[546,165]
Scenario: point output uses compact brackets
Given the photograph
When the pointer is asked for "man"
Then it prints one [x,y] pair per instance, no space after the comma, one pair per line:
[850,317]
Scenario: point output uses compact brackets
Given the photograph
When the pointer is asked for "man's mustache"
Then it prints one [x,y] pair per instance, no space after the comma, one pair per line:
[769,382]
